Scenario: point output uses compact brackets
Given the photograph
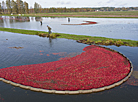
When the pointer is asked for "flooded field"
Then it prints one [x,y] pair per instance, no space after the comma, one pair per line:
[18,49]
[119,28]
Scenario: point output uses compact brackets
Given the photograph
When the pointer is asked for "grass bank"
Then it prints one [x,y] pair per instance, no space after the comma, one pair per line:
[105,14]
[79,38]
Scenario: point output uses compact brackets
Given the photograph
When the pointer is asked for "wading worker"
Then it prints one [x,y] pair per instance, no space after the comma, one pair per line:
[49,29]
[41,21]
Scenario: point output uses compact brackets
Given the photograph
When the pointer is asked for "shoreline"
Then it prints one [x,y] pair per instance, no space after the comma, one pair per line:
[76,16]
[94,16]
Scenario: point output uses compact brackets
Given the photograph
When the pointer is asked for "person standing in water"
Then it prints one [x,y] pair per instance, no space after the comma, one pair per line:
[49,29]
[41,21]
[68,19]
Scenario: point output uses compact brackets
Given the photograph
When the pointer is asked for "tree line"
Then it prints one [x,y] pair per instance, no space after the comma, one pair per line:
[20,7]
[15,7]
[62,10]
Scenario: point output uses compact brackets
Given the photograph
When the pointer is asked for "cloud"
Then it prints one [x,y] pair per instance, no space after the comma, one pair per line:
[99,2]
[68,2]
[82,3]
[64,3]
[125,4]
[110,1]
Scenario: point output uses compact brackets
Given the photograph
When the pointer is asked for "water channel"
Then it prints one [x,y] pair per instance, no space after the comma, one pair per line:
[119,28]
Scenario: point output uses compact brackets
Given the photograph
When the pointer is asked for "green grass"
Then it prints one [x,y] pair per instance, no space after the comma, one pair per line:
[71,36]
[21,31]
[106,14]
[92,13]
[122,14]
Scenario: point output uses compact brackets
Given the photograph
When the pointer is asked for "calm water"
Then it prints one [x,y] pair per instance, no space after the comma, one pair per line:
[119,28]
[39,50]
[36,49]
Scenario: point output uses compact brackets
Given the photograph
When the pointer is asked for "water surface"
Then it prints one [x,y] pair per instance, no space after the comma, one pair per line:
[119,28]
[40,50]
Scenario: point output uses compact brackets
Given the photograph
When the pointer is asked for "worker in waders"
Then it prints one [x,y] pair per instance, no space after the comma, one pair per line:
[41,21]
[49,29]
[68,19]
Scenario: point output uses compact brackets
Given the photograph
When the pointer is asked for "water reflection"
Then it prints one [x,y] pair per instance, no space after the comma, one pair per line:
[1,21]
[11,19]
[26,49]
[40,50]
[119,28]
[50,41]
[22,19]
[38,18]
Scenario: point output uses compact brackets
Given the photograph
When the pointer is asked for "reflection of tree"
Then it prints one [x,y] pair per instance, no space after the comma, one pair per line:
[1,21]
[27,19]
[38,18]
[50,41]
[11,19]
[32,18]
[22,19]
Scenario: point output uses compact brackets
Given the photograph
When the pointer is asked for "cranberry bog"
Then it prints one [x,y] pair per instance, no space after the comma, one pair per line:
[86,23]
[96,69]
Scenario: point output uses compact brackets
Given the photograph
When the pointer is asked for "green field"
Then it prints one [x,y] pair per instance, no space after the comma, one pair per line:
[93,13]
[105,14]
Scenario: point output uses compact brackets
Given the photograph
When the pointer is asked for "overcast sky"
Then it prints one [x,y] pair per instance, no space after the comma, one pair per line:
[83,3]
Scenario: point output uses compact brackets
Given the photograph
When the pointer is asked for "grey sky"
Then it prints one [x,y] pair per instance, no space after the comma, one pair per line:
[83,3]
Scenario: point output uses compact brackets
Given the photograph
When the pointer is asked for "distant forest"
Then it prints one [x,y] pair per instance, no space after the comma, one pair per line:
[22,7]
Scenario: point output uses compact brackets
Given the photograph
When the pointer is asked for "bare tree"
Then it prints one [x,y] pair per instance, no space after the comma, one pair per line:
[26,7]
[37,8]
[14,6]
[3,6]
[8,4]
[0,8]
